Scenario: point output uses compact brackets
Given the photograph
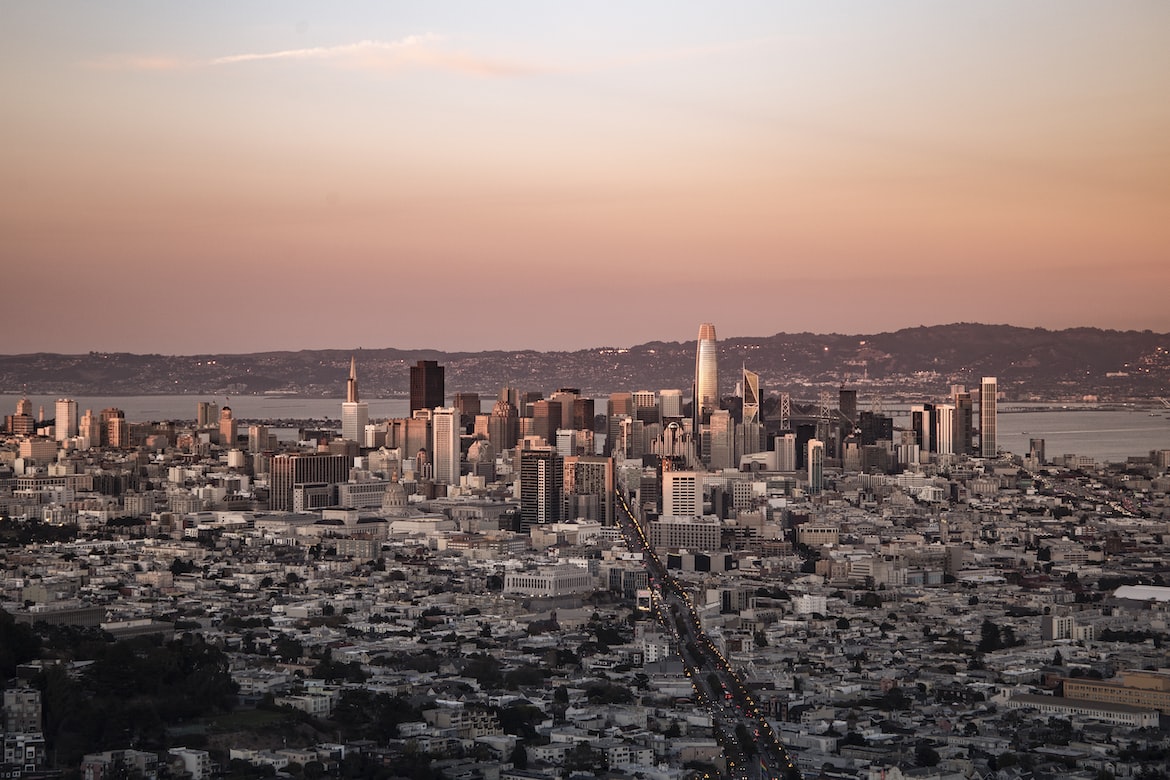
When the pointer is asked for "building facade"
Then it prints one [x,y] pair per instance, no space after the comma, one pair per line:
[682,493]
[988,391]
[355,414]
[427,385]
[706,395]
[445,445]
[816,466]
[542,481]
[291,470]
[66,422]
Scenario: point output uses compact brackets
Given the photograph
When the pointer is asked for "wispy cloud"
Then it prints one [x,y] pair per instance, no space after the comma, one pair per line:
[347,51]
[427,51]
[415,51]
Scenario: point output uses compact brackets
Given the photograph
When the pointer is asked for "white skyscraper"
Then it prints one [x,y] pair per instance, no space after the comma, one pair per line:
[682,494]
[816,466]
[706,398]
[355,414]
[566,442]
[945,436]
[67,421]
[988,390]
[785,446]
[644,399]
[445,445]
[670,403]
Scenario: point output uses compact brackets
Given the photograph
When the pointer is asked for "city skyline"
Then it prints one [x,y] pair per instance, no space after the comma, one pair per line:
[848,162]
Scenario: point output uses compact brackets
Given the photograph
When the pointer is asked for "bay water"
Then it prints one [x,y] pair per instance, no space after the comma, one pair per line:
[1104,434]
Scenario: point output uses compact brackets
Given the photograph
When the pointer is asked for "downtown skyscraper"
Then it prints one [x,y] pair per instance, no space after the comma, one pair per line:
[750,434]
[542,484]
[427,385]
[66,423]
[706,398]
[354,413]
[988,391]
[445,451]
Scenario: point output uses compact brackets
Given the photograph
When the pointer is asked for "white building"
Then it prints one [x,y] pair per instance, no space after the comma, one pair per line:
[816,466]
[698,534]
[445,445]
[682,494]
[1137,717]
[809,604]
[785,452]
[196,763]
[945,431]
[67,422]
[670,403]
[559,580]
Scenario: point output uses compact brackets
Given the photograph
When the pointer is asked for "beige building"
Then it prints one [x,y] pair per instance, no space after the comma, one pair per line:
[1135,688]
[550,581]
[690,533]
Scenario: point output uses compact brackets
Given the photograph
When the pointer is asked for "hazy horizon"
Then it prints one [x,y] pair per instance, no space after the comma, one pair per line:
[720,337]
[189,178]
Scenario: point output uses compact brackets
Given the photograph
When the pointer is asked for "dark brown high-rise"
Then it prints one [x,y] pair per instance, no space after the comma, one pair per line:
[427,389]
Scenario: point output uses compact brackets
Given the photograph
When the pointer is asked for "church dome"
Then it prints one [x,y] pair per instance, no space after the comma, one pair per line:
[394,501]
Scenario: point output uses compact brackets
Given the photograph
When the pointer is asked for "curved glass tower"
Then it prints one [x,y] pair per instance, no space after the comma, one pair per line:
[706,374]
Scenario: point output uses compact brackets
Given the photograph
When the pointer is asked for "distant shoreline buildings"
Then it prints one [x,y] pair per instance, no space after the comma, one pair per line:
[525,440]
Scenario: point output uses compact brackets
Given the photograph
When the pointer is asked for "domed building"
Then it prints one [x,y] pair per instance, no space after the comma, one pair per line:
[394,502]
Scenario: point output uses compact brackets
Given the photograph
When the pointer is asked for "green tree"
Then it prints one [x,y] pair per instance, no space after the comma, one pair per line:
[519,756]
[925,755]
[607,693]
[131,692]
[520,719]
[485,669]
[583,758]
[179,566]
[18,644]
[990,638]
[524,676]
[288,649]
[333,671]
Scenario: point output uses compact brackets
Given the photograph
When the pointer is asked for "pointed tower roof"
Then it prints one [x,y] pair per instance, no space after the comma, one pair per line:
[351,387]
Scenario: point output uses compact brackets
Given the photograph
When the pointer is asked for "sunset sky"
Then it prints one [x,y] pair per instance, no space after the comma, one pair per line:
[237,176]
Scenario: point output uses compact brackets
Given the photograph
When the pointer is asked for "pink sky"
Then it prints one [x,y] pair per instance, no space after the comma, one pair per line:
[556,176]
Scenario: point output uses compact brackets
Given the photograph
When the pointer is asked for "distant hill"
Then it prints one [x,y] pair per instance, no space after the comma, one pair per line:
[1029,363]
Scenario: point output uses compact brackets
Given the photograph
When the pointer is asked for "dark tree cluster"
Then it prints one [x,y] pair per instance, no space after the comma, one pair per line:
[131,692]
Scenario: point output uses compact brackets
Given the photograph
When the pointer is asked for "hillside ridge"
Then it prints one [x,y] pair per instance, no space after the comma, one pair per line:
[1029,362]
